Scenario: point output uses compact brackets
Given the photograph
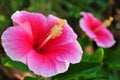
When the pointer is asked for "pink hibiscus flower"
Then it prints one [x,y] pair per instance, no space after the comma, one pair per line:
[46,44]
[96,30]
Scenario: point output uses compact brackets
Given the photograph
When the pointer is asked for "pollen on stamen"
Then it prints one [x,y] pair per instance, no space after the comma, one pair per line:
[108,21]
[57,29]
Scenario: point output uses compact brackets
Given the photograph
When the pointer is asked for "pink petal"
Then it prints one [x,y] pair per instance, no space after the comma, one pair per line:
[45,65]
[104,38]
[85,27]
[17,43]
[92,21]
[70,52]
[89,23]
[34,23]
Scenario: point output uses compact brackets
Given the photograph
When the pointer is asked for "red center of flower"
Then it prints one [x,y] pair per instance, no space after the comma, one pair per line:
[55,32]
[105,23]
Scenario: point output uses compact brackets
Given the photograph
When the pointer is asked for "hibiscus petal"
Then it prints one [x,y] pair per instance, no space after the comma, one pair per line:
[34,22]
[45,65]
[17,43]
[85,27]
[70,52]
[104,38]
[88,24]
[91,22]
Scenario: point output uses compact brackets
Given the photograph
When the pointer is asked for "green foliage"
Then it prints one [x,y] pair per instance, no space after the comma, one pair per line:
[84,41]
[32,78]
[113,58]
[97,56]
[80,70]
[10,63]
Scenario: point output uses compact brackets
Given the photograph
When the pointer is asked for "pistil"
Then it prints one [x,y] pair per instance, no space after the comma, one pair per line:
[106,23]
[55,32]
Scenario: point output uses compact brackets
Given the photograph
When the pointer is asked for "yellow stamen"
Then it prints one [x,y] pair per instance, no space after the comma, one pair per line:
[106,23]
[56,31]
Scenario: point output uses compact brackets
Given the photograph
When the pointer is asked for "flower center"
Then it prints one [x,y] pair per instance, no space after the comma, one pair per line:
[55,32]
[106,23]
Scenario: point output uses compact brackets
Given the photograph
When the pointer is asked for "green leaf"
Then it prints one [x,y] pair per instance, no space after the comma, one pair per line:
[32,78]
[10,63]
[113,76]
[98,75]
[83,69]
[112,58]
[97,56]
